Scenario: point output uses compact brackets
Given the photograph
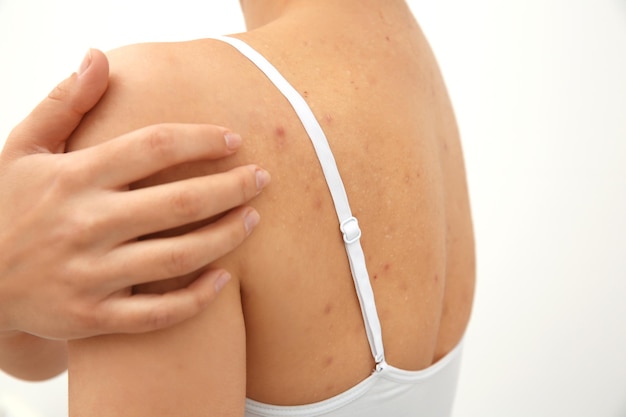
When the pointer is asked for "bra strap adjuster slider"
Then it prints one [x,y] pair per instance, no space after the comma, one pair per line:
[350,229]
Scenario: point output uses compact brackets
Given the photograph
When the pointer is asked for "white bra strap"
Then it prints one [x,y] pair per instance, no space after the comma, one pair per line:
[349,225]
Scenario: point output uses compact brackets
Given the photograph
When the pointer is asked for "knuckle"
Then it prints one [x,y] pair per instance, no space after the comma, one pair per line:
[61,92]
[186,204]
[247,185]
[81,228]
[160,318]
[181,261]
[68,177]
[84,320]
[160,140]
[202,299]
[80,220]
[233,236]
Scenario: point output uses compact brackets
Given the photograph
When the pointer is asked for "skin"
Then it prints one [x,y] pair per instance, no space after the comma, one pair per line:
[287,329]
[70,254]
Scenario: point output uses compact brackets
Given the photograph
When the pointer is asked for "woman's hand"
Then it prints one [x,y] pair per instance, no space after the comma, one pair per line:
[69,253]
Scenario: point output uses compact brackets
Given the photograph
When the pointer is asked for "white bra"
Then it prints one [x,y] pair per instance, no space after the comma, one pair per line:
[388,391]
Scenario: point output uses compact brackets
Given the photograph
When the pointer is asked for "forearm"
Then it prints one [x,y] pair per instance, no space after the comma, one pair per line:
[30,357]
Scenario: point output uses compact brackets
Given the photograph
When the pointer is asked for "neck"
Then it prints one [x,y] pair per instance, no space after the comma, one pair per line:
[259,13]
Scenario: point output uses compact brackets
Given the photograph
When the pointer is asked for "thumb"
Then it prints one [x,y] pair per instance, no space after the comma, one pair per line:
[50,124]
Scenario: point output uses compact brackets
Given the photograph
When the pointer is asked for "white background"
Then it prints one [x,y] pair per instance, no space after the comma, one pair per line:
[539,88]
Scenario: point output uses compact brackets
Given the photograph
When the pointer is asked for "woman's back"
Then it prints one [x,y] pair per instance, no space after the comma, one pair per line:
[372,83]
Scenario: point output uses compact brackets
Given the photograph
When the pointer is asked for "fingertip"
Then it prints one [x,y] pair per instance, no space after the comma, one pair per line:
[84,65]
[233,140]
[94,60]
[251,220]
[99,59]
[221,280]
[185,303]
[262,178]
[208,285]
[93,77]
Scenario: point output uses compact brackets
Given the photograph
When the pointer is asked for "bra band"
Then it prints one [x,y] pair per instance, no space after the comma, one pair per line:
[348,224]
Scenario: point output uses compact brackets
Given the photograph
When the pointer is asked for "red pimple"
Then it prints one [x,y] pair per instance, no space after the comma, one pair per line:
[328,308]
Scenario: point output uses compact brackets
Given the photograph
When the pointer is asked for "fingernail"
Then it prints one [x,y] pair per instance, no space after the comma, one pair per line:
[233,140]
[221,281]
[262,178]
[85,64]
[251,220]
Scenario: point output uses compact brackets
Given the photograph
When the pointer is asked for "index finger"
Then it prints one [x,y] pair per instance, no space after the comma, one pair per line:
[140,153]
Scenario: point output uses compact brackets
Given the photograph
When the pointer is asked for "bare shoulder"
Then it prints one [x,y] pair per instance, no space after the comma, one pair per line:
[154,83]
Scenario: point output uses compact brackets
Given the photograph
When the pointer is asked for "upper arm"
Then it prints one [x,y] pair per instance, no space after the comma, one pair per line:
[193,369]
[196,368]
